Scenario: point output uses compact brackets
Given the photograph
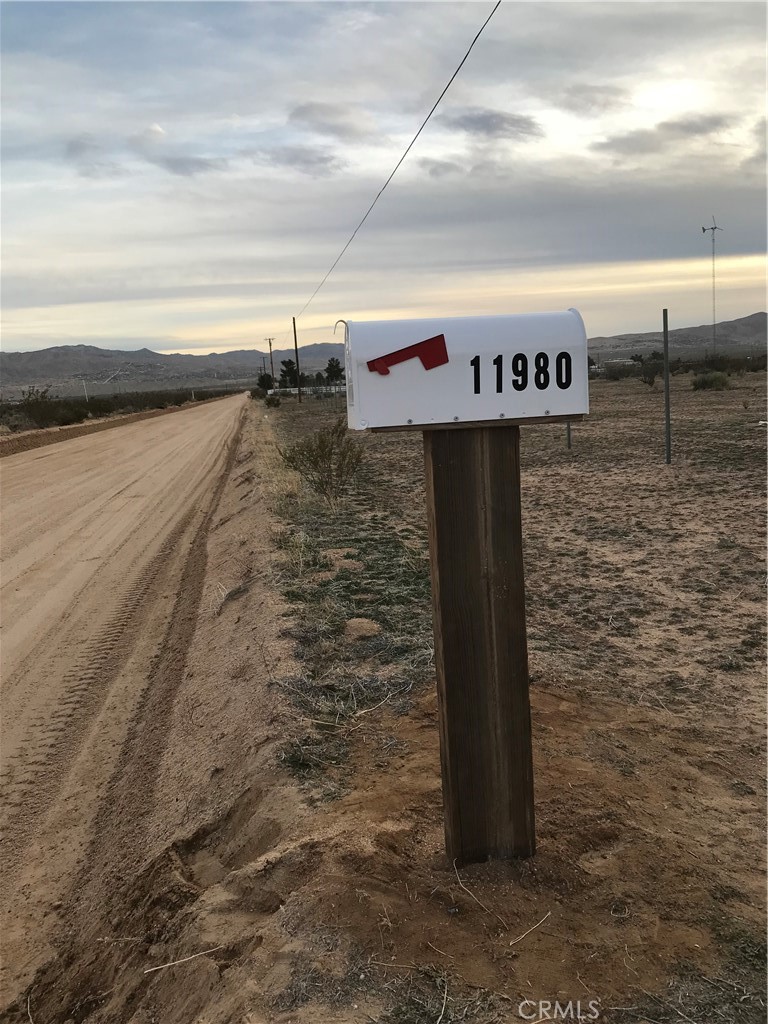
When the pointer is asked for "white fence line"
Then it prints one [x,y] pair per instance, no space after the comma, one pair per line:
[311,389]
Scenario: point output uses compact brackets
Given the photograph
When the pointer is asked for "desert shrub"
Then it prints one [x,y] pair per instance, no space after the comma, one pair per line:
[651,369]
[32,395]
[258,393]
[38,409]
[619,371]
[328,460]
[101,406]
[712,381]
[15,419]
[64,415]
[272,401]
[53,412]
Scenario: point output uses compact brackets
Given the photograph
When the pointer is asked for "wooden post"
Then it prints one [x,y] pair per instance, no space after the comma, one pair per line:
[568,434]
[296,350]
[667,418]
[271,363]
[478,598]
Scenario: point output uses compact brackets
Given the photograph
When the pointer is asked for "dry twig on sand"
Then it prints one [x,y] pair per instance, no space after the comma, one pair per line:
[183,960]
[531,929]
[477,901]
[445,1000]
[440,951]
[229,595]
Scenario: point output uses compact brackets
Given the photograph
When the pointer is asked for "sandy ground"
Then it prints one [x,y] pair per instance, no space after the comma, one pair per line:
[272,807]
[97,536]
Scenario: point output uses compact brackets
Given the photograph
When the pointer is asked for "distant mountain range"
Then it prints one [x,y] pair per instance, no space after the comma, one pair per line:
[744,336]
[106,371]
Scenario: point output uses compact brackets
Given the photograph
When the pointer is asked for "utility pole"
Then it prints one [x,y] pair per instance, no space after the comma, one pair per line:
[667,420]
[271,362]
[713,229]
[296,350]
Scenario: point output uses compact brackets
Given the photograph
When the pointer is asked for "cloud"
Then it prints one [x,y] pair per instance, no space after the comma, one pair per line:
[309,160]
[756,161]
[83,146]
[440,168]
[340,122]
[493,124]
[90,157]
[155,147]
[701,124]
[665,134]
[188,166]
[585,99]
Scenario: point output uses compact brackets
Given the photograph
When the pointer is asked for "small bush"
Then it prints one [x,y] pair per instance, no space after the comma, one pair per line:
[14,420]
[712,381]
[258,393]
[619,371]
[33,394]
[272,402]
[328,460]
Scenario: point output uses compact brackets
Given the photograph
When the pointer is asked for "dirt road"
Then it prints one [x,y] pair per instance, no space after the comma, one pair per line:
[103,551]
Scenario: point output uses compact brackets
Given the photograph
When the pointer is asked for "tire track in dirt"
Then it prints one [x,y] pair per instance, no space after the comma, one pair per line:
[64,531]
[131,790]
[29,776]
[105,602]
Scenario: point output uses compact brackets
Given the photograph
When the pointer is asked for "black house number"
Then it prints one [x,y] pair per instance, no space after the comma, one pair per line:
[523,372]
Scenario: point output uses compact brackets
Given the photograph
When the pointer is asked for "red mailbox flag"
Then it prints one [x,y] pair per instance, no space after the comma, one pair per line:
[431,352]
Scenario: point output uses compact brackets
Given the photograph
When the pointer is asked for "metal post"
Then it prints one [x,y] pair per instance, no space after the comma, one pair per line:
[713,229]
[568,433]
[714,307]
[296,350]
[667,420]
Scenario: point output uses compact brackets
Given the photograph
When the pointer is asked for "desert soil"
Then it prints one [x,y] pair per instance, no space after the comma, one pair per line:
[220,729]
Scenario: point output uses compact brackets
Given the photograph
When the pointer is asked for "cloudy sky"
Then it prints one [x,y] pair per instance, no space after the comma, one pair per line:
[182,175]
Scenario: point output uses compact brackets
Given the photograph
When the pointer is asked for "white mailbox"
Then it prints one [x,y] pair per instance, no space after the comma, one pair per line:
[420,373]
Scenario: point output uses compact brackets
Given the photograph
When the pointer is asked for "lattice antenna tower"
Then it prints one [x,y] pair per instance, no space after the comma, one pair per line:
[713,229]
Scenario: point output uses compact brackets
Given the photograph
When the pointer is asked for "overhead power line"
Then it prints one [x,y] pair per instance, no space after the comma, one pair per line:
[402,158]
